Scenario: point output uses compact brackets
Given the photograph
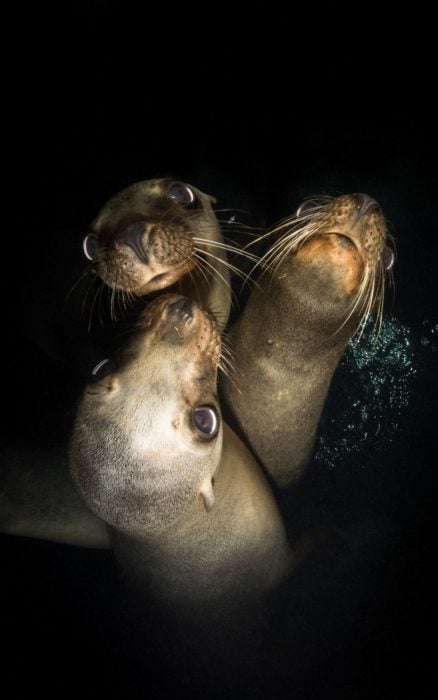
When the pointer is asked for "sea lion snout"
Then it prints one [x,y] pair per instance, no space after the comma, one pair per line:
[181,308]
[180,321]
[366,203]
[177,321]
[135,236]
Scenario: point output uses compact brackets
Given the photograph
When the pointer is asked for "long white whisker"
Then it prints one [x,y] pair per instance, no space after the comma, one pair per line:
[226,247]
[226,264]
[214,272]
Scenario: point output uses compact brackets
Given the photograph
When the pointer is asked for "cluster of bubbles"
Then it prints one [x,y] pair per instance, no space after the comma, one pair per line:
[372,391]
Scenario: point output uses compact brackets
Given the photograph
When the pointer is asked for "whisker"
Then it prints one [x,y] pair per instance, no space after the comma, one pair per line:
[92,283]
[194,280]
[214,272]
[96,296]
[103,290]
[225,263]
[227,247]
[81,277]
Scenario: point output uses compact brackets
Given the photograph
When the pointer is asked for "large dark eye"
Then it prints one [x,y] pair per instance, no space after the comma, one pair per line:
[309,206]
[388,258]
[90,246]
[181,193]
[206,421]
[101,370]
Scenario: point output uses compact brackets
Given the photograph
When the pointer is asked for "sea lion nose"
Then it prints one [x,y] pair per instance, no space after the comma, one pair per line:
[176,323]
[365,203]
[133,236]
[181,308]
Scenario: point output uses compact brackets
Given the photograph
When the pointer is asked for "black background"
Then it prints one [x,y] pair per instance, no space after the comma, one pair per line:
[259,113]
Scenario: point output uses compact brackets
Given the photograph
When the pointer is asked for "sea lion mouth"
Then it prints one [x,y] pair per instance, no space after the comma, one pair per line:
[345,241]
[349,245]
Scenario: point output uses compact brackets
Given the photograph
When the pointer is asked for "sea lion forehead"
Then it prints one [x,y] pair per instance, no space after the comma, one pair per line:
[139,194]
[141,189]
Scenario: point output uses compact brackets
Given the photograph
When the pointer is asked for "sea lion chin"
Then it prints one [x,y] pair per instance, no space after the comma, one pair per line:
[325,274]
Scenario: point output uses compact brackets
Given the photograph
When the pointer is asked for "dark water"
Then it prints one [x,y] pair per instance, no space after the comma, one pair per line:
[99,107]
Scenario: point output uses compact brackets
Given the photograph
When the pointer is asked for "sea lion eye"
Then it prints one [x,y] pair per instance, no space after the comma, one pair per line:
[206,421]
[307,207]
[102,368]
[181,193]
[388,258]
[89,246]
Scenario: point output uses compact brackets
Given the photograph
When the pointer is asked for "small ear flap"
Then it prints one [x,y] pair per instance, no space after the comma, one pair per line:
[207,494]
[213,200]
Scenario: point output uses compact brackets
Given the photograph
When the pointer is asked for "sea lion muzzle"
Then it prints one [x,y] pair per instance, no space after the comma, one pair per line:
[134,236]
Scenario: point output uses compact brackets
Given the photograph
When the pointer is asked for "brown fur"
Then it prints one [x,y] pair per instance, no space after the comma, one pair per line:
[193,518]
[38,499]
[166,253]
[293,331]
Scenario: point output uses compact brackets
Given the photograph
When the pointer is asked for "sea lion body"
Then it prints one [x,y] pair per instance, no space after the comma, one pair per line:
[38,499]
[191,516]
[290,337]
[160,233]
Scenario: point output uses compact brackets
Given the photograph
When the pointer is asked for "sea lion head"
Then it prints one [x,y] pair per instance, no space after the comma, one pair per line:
[336,252]
[147,439]
[144,238]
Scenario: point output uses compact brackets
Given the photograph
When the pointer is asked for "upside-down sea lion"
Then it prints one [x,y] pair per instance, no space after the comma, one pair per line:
[328,274]
[161,233]
[191,517]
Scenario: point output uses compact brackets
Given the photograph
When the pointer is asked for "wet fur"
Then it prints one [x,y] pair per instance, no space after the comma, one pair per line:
[38,499]
[323,276]
[193,522]
[183,248]
[139,465]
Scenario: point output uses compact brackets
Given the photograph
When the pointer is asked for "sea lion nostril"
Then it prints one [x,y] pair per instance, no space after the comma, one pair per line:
[309,206]
[365,202]
[132,236]
[181,307]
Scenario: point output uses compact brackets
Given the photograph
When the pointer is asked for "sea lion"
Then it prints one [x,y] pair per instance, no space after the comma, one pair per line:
[38,499]
[328,270]
[191,517]
[161,233]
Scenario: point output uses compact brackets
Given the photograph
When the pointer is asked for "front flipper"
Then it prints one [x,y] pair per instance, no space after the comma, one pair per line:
[38,499]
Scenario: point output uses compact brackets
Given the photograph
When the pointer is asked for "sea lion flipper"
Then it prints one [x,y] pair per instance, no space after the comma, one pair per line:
[207,493]
[38,499]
